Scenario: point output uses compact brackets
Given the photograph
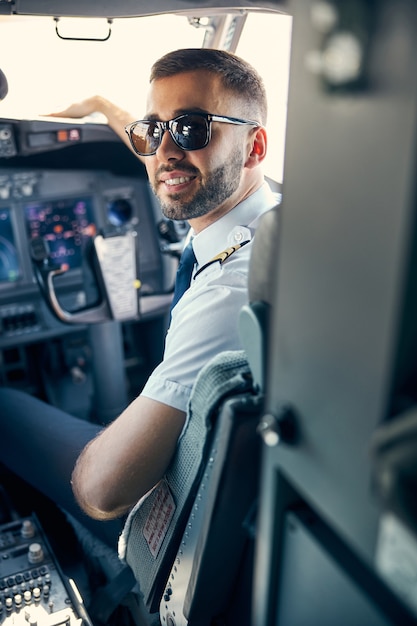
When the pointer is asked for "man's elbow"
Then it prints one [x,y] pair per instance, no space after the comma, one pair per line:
[95,499]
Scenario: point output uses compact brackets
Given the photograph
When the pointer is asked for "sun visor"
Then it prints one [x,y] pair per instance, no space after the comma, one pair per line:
[131,8]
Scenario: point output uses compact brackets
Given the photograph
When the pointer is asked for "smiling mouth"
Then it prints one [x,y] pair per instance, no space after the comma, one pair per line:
[178,180]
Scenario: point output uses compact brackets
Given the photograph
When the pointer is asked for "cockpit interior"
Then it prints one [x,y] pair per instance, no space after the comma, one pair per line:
[299,509]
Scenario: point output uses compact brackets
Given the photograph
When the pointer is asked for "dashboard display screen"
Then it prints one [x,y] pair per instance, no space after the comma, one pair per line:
[9,260]
[66,225]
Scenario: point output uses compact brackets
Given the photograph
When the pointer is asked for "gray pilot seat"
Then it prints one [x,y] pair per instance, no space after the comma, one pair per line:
[190,541]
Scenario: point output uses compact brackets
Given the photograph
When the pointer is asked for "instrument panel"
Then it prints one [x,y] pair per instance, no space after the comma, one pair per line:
[67,183]
[68,208]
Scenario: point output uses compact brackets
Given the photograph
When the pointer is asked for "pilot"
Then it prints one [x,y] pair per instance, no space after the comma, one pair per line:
[202,141]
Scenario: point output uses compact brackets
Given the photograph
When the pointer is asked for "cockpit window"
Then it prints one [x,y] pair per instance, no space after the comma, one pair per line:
[273,63]
[46,73]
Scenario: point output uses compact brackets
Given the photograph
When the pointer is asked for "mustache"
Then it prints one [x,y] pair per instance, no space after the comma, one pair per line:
[186,169]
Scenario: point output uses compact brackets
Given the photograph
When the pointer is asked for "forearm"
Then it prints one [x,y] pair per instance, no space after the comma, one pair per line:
[126,459]
[117,118]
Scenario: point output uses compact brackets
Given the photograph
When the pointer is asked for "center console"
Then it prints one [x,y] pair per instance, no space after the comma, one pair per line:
[33,589]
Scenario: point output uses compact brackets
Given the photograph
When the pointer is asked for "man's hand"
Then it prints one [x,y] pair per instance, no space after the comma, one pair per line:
[117,118]
[95,104]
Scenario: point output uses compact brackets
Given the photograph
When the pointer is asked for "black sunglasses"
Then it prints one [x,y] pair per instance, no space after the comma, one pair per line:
[189,131]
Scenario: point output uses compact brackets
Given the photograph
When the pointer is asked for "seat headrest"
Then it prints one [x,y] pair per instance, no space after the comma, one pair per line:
[263,260]
[254,317]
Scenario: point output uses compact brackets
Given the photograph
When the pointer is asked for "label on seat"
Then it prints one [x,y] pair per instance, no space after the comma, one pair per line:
[159,518]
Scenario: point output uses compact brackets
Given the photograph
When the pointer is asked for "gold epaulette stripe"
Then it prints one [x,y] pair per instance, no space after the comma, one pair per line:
[222,256]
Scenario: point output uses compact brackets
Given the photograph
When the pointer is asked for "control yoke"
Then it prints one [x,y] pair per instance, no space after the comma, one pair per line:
[114,268]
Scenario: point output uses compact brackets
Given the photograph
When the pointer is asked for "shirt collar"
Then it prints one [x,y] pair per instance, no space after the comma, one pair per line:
[245,215]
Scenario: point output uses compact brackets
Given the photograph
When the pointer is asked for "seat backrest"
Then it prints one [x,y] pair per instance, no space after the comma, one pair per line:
[211,578]
[254,317]
[208,581]
[154,528]
[175,538]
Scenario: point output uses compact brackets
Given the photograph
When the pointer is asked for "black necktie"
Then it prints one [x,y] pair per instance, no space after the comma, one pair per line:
[184,273]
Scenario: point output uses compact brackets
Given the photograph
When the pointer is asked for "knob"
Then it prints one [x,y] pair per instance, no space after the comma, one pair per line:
[275,430]
[5,134]
[36,593]
[28,530]
[35,553]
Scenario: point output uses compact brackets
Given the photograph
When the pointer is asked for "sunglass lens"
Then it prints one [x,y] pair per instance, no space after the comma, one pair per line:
[146,137]
[191,132]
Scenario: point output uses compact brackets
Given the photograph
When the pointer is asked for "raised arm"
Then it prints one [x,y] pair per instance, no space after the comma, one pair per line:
[117,118]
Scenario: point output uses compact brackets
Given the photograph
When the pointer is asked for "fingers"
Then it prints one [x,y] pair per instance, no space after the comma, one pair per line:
[78,109]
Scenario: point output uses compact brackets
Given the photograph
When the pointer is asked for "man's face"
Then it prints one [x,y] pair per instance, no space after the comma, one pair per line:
[192,184]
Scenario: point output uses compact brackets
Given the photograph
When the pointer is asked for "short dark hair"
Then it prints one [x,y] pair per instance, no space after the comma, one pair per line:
[236,74]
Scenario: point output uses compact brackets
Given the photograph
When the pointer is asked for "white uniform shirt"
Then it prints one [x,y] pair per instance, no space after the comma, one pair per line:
[204,321]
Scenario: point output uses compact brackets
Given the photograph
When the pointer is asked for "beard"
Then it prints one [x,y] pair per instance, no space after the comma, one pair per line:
[219,185]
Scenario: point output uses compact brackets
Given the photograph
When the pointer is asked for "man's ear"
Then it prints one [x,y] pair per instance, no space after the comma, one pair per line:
[257,147]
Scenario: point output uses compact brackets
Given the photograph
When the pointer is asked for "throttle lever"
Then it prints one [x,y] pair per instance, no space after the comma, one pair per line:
[115,273]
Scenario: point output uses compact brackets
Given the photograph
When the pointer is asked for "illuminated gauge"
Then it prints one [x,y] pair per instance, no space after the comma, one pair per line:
[119,212]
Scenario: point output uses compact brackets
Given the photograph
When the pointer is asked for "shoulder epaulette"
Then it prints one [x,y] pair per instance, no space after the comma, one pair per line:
[222,256]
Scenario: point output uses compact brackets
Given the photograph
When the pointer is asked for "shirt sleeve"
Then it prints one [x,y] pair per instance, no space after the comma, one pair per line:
[204,323]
